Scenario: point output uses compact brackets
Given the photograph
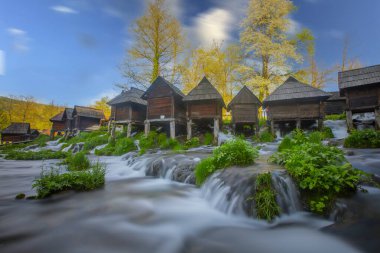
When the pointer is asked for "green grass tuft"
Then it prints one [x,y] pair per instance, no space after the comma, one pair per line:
[367,138]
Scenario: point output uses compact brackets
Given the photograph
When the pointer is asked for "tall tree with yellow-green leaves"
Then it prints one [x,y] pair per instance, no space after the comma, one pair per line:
[217,63]
[101,104]
[158,41]
[266,43]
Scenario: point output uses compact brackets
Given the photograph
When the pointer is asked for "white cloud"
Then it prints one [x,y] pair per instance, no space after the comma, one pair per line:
[16,31]
[20,39]
[2,63]
[294,27]
[63,9]
[214,25]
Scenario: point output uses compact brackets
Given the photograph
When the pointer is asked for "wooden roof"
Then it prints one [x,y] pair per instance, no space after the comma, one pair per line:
[68,113]
[89,112]
[359,77]
[17,128]
[58,117]
[292,89]
[244,96]
[161,81]
[335,96]
[204,91]
[130,96]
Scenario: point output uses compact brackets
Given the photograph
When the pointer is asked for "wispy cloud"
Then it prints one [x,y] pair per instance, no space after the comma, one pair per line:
[294,27]
[63,9]
[213,25]
[20,39]
[2,63]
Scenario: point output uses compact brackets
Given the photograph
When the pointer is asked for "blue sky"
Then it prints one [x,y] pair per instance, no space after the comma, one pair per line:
[69,51]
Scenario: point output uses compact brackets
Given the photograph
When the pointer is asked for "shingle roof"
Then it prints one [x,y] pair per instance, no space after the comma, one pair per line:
[17,128]
[58,117]
[294,89]
[204,91]
[88,112]
[335,96]
[69,113]
[244,96]
[161,81]
[359,77]
[133,96]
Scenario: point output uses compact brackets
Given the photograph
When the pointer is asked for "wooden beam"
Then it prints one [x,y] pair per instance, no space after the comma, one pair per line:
[272,127]
[189,122]
[129,129]
[216,129]
[377,118]
[172,129]
[298,123]
[350,124]
[146,127]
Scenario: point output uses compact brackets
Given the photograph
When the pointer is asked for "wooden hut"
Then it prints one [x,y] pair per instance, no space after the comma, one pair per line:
[68,118]
[294,101]
[335,104]
[62,122]
[87,118]
[361,87]
[16,132]
[204,103]
[128,108]
[244,109]
[164,106]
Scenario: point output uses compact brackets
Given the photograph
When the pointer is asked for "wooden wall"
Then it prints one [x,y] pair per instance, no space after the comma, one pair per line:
[159,106]
[362,98]
[84,123]
[69,124]
[121,112]
[335,107]
[244,113]
[298,110]
[138,113]
[204,109]
[58,126]
[14,138]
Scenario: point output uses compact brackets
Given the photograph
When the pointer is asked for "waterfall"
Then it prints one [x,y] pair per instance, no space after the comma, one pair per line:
[230,191]
[338,127]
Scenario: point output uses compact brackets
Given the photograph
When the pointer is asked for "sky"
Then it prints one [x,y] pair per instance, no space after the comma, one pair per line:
[70,51]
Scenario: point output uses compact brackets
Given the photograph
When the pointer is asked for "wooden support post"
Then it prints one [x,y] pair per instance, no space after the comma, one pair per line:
[189,122]
[272,127]
[257,129]
[109,127]
[113,131]
[146,127]
[298,124]
[129,129]
[172,129]
[216,128]
[377,118]
[320,123]
[350,124]
[51,134]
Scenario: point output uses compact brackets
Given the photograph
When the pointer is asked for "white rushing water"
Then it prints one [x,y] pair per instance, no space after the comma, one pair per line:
[338,127]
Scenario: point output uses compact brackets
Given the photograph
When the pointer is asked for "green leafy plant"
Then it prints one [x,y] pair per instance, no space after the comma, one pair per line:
[40,155]
[367,138]
[117,147]
[208,139]
[321,172]
[77,162]
[192,143]
[265,136]
[335,117]
[232,153]
[52,181]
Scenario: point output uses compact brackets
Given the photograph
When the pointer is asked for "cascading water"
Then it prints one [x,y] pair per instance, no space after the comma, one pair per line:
[338,127]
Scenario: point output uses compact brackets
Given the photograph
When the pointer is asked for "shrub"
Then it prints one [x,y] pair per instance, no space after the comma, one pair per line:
[117,147]
[327,133]
[262,122]
[52,181]
[367,138]
[208,139]
[235,152]
[265,137]
[40,155]
[123,146]
[95,141]
[192,143]
[335,117]
[320,171]
[77,162]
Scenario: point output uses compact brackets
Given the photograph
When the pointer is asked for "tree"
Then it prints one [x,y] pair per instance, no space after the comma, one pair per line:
[102,105]
[218,64]
[347,62]
[27,102]
[158,43]
[266,42]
